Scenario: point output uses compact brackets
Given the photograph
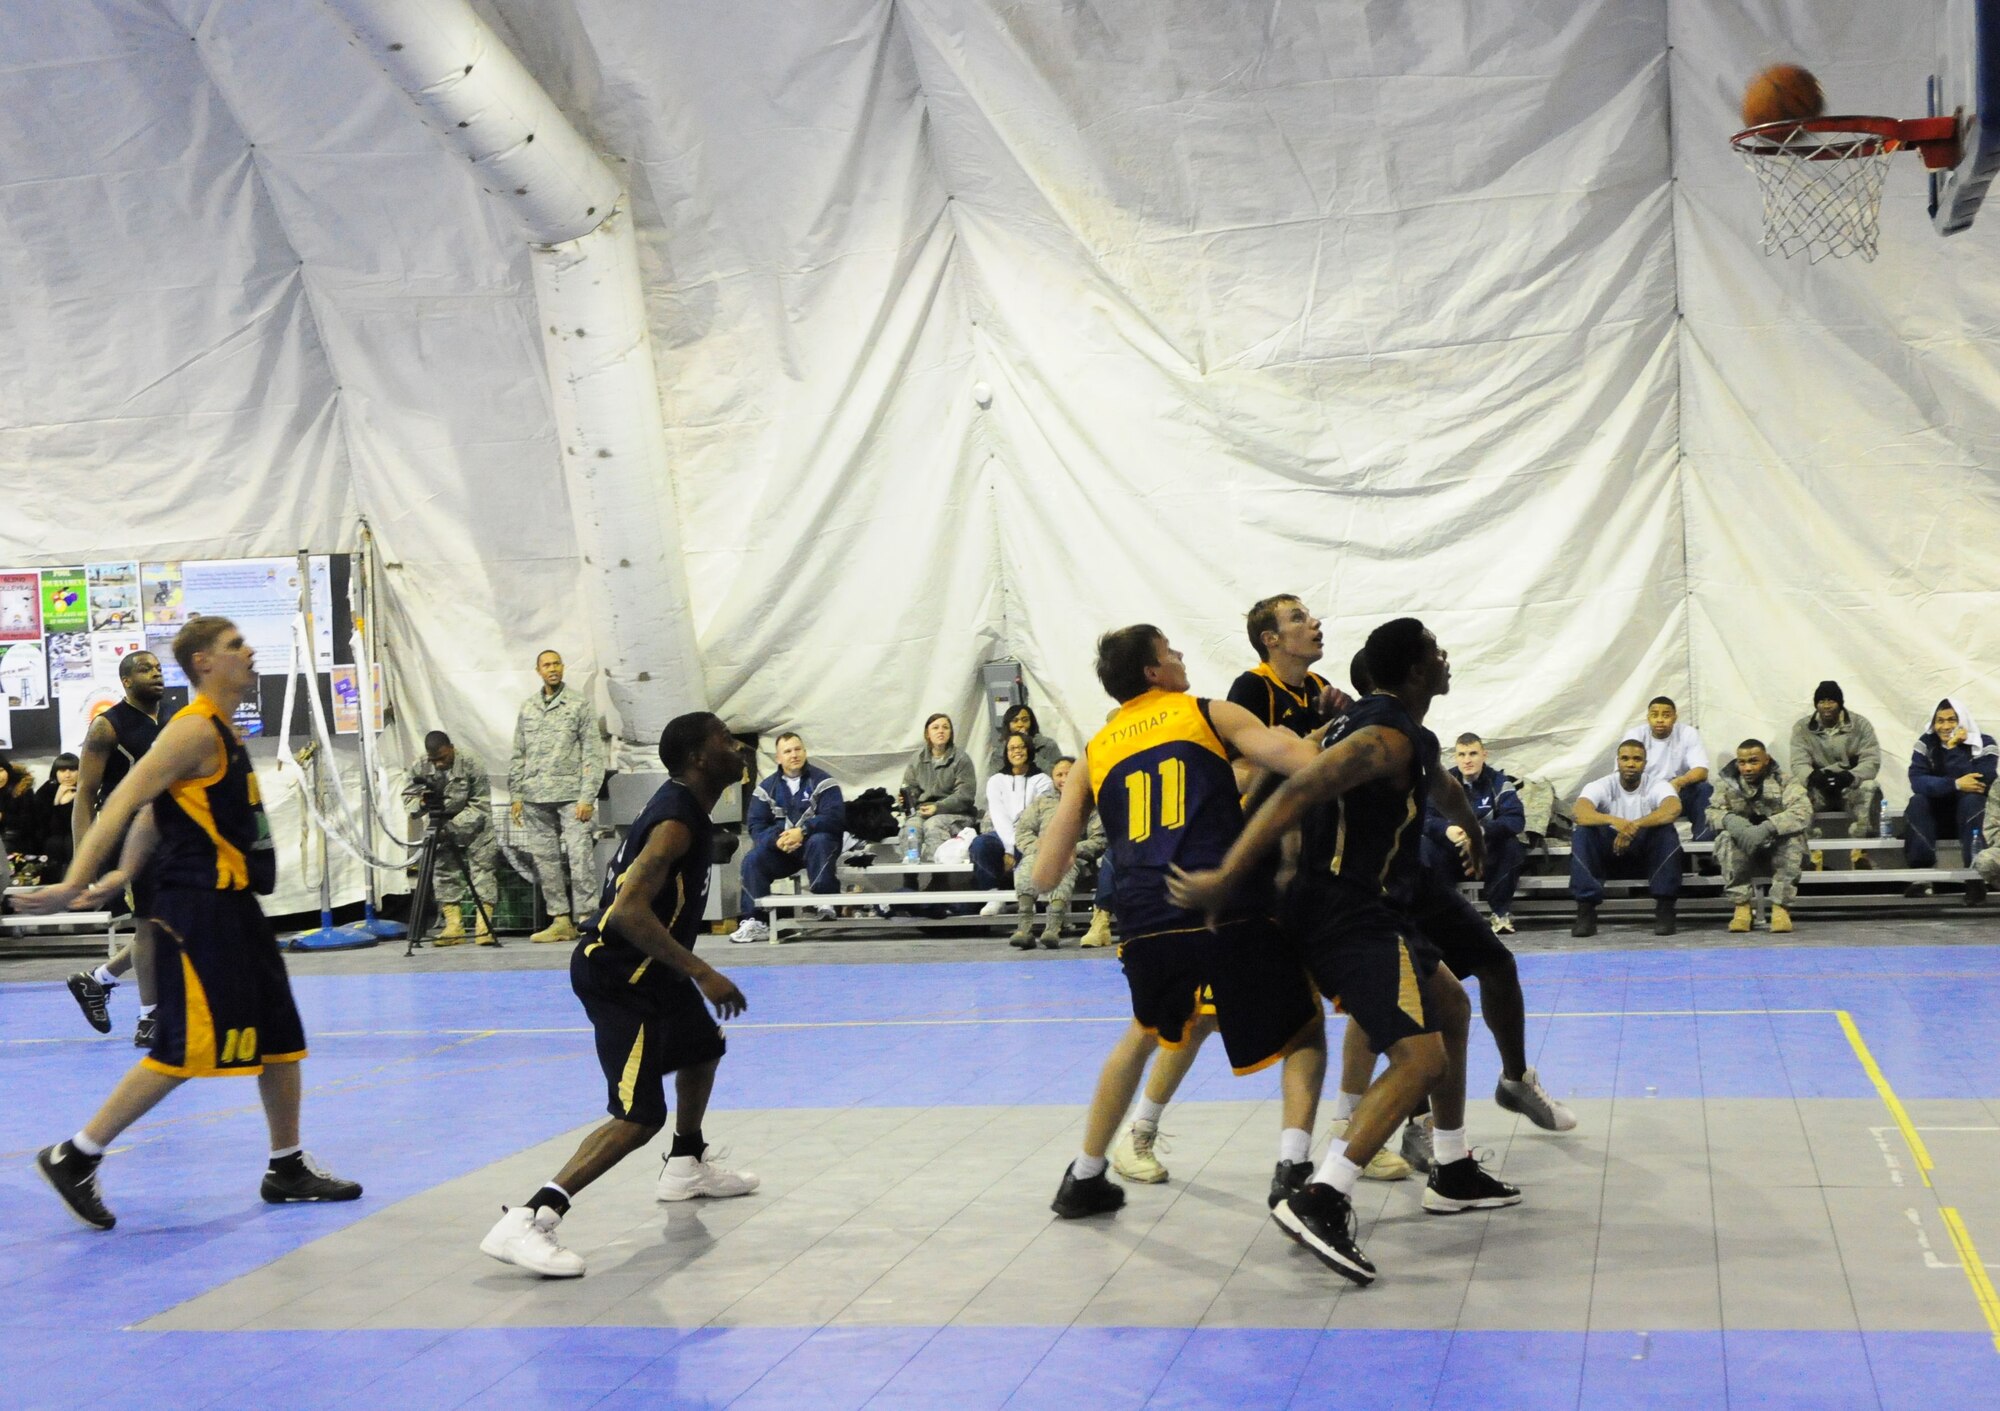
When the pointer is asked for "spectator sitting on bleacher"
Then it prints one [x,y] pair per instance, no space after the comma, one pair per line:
[797,819]
[1835,752]
[55,806]
[938,784]
[1676,757]
[1008,795]
[1951,770]
[20,819]
[1988,862]
[1625,828]
[1501,819]
[1027,834]
[1021,721]
[1759,814]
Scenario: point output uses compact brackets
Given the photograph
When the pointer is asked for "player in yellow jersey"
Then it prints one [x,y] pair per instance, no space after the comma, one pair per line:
[225,1002]
[1159,776]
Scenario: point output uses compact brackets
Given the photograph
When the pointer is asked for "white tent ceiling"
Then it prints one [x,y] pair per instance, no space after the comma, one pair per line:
[1452,309]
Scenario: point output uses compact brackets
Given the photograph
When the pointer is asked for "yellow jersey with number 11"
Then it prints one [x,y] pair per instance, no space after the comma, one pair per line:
[1167,798]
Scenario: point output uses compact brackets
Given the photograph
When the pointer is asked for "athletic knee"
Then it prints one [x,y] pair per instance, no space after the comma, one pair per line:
[1422,1057]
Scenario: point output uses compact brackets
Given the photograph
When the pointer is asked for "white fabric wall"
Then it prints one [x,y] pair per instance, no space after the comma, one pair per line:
[1447,309]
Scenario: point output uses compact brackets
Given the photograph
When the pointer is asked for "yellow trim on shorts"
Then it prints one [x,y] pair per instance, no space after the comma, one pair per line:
[1409,994]
[198,1046]
[628,1081]
[1290,1047]
[298,1057]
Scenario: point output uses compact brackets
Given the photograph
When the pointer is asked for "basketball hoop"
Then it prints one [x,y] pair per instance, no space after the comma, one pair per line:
[1821,178]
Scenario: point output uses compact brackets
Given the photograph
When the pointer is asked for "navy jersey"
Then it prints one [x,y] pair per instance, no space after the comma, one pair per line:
[1167,797]
[682,898]
[213,833]
[1369,836]
[1261,692]
[134,732]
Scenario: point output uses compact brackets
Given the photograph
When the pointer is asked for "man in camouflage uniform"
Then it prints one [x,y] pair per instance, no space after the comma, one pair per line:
[466,836]
[1835,753]
[557,769]
[1987,859]
[1758,811]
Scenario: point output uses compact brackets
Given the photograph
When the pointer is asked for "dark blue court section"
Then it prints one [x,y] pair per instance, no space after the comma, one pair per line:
[401,1103]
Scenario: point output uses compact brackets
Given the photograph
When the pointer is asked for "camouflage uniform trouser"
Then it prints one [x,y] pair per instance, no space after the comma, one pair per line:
[1857,802]
[551,835]
[1786,855]
[1988,863]
[456,856]
[1024,887]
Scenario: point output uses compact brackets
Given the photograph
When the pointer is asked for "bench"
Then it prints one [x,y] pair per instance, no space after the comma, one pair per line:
[62,933]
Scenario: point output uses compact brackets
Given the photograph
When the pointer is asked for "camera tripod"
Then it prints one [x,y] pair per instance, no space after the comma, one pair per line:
[435,842]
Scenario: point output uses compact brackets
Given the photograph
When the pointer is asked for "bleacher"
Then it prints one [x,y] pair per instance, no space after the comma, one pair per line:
[888,895]
[69,933]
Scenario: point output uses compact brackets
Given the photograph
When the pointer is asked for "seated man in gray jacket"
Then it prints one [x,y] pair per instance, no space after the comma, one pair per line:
[1987,861]
[1027,836]
[1759,814]
[1835,753]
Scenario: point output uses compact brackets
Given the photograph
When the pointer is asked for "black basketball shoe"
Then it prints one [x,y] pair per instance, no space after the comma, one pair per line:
[300,1179]
[1289,1178]
[90,997]
[1322,1219]
[142,1034]
[73,1176]
[1079,1196]
[1464,1185]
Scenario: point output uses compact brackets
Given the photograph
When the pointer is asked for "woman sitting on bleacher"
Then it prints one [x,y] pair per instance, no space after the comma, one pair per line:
[1007,795]
[1021,721]
[938,785]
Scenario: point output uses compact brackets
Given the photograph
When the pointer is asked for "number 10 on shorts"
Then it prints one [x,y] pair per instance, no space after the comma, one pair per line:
[239,1046]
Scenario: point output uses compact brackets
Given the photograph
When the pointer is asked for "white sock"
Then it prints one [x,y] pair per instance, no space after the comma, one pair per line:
[1344,1105]
[1148,1111]
[146,1010]
[1447,1146]
[1337,1171]
[1293,1144]
[1084,1167]
[102,974]
[280,1153]
[84,1144]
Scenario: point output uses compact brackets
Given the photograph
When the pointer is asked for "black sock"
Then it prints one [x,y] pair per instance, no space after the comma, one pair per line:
[688,1144]
[552,1198]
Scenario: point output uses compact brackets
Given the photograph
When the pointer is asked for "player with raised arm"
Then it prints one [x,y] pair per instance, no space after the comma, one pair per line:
[1360,808]
[226,1004]
[647,995]
[1158,773]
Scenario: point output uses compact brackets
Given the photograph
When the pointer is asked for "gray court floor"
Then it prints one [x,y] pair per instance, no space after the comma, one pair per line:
[1656,1214]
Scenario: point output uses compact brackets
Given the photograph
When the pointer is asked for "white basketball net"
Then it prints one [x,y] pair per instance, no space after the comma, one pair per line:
[1822,191]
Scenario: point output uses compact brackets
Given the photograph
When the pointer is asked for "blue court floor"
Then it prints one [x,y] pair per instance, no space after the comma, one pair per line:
[1864,1285]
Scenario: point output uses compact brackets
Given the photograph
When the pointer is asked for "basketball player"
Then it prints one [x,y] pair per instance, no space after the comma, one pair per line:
[111,746]
[225,1002]
[1471,951]
[1158,773]
[644,989]
[1360,807]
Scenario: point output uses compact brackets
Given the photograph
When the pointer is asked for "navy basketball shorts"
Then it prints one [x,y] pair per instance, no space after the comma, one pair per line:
[646,1028]
[1372,961]
[225,1001]
[1262,999]
[1452,924]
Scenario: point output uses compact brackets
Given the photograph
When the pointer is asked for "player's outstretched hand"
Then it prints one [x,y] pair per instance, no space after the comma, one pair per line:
[47,901]
[1473,850]
[103,891]
[1204,892]
[719,990]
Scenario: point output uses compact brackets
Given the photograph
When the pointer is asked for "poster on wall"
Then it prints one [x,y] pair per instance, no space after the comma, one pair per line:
[113,589]
[249,718]
[63,606]
[163,594]
[80,702]
[346,682]
[20,605]
[261,596]
[24,676]
[69,657]
[108,649]
[6,723]
[160,642]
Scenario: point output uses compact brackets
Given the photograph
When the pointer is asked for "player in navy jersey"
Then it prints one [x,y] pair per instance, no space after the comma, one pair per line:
[647,995]
[1159,776]
[225,1003]
[1360,808]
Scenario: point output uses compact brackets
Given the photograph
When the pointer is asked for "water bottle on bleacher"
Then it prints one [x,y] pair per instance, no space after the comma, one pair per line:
[913,830]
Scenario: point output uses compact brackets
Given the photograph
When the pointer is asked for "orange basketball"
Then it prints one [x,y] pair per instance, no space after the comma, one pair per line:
[1782,93]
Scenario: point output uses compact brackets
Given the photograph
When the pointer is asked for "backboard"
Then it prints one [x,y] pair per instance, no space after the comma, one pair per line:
[1967,85]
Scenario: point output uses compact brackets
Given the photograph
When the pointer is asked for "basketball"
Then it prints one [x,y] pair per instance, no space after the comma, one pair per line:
[1782,93]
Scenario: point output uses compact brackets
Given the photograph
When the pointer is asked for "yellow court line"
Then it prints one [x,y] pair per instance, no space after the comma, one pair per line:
[1918,1150]
[1975,1271]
